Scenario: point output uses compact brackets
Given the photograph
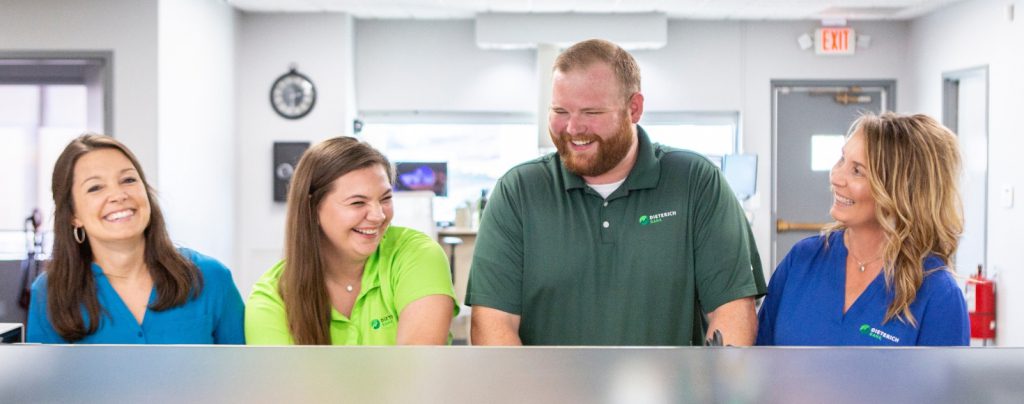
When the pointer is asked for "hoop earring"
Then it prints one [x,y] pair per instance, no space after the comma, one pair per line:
[79,239]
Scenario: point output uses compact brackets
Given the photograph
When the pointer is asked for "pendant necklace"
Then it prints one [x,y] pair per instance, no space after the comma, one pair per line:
[348,288]
[862,264]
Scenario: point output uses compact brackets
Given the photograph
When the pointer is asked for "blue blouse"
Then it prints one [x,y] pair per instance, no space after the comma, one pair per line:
[213,317]
[807,292]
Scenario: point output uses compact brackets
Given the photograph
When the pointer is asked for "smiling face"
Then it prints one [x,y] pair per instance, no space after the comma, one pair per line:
[590,122]
[853,204]
[354,214]
[110,199]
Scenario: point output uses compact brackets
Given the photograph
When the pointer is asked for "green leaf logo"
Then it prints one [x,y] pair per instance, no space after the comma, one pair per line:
[644,220]
[375,324]
[865,329]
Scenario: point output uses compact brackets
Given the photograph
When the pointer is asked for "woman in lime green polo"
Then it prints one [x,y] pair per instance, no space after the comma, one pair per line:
[348,278]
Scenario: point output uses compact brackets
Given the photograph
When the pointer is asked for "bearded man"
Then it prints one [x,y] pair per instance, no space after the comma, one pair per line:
[612,240]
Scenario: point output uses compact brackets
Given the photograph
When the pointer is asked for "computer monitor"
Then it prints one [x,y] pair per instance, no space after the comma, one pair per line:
[740,172]
[422,176]
[11,333]
[415,210]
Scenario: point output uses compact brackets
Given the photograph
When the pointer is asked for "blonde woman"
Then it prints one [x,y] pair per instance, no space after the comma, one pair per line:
[881,274]
[349,277]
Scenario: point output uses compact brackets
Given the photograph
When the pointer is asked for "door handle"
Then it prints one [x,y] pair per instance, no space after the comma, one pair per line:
[782,225]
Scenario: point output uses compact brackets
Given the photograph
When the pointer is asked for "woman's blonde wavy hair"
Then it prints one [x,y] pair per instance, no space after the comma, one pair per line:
[914,171]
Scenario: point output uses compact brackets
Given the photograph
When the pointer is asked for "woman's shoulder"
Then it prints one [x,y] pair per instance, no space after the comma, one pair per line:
[806,255]
[408,248]
[39,285]
[398,238]
[267,283]
[210,267]
[813,244]
[938,277]
[399,233]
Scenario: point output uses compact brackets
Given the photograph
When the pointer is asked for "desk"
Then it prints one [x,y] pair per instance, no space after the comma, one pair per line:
[177,374]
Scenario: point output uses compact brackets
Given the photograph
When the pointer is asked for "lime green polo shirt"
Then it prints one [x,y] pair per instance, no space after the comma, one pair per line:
[408,265]
[640,268]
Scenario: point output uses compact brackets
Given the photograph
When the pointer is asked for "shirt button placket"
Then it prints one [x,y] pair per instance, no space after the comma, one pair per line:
[605,224]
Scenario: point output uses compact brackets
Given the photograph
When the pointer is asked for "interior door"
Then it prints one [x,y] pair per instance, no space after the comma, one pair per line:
[965,96]
[810,120]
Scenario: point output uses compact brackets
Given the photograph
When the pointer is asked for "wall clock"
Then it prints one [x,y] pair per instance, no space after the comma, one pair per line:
[292,95]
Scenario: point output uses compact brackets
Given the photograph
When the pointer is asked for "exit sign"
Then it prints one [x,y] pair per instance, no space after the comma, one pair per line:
[835,41]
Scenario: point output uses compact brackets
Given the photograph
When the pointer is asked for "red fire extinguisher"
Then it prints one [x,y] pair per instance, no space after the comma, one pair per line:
[981,306]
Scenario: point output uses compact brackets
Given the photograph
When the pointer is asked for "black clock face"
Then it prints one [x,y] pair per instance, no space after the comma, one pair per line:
[292,95]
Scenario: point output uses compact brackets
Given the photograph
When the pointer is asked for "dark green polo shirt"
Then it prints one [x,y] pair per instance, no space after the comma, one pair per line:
[639,268]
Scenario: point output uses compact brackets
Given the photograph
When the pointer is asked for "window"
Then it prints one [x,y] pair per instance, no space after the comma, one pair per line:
[714,134]
[36,122]
[478,147]
[826,151]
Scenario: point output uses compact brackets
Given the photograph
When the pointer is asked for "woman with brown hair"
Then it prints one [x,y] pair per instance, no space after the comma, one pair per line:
[882,273]
[348,278]
[114,275]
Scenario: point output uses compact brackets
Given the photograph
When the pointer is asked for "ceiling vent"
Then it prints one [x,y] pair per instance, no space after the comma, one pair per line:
[862,13]
[526,30]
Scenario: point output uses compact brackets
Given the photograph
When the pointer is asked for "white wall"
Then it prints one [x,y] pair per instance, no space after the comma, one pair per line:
[411,65]
[321,47]
[126,27]
[968,35]
[699,69]
[196,124]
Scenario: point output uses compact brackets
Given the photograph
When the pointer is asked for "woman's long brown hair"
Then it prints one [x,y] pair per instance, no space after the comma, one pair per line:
[70,283]
[302,284]
[914,171]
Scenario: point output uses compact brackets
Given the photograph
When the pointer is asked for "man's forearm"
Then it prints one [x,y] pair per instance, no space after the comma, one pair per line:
[494,327]
[736,320]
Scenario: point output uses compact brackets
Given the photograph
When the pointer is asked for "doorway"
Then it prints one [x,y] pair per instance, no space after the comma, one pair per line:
[965,112]
[809,123]
[46,99]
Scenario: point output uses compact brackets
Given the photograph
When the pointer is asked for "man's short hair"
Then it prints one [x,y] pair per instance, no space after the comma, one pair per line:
[587,53]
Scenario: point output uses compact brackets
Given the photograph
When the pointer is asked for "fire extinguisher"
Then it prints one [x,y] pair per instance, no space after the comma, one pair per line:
[981,306]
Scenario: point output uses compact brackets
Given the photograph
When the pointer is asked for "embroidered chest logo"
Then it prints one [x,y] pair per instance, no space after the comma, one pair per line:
[655,218]
[878,334]
[385,321]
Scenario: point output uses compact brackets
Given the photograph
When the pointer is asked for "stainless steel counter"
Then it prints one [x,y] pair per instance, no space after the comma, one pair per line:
[177,374]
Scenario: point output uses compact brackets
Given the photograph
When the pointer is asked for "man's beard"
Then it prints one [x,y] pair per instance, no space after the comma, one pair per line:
[610,151]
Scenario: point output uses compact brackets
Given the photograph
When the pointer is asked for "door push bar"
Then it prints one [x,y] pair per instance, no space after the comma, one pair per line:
[782,225]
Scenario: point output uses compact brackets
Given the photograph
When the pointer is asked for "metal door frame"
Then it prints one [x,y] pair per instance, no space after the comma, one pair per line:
[104,58]
[950,104]
[887,88]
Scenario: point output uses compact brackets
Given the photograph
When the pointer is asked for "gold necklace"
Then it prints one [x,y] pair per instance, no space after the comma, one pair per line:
[862,264]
